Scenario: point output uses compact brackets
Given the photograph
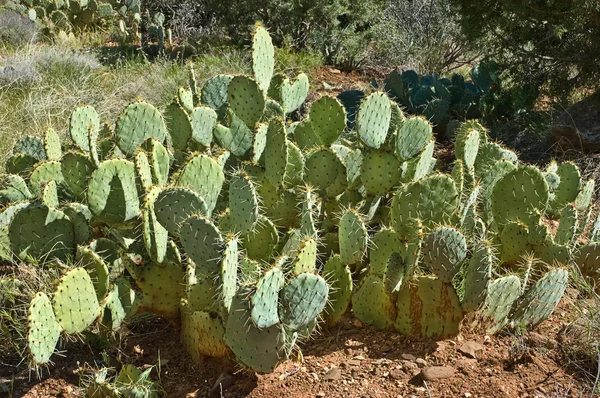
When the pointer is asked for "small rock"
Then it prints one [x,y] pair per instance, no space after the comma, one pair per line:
[408,357]
[437,372]
[468,395]
[407,365]
[358,323]
[487,339]
[364,382]
[314,376]
[333,374]
[359,357]
[320,394]
[469,348]
[421,362]
[440,346]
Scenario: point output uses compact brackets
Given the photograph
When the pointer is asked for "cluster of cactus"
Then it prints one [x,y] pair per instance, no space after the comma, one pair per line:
[248,229]
[439,99]
[154,29]
[60,17]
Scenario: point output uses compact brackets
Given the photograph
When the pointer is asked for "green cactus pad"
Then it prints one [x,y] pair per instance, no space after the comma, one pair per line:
[6,218]
[258,349]
[155,234]
[243,203]
[428,308]
[32,146]
[20,164]
[265,299]
[80,217]
[246,100]
[114,312]
[323,168]
[304,135]
[76,169]
[203,244]
[372,305]
[186,98]
[306,257]
[43,331]
[138,122]
[229,272]
[302,300]
[276,153]
[52,145]
[493,174]
[588,260]
[237,138]
[373,119]
[444,251]
[260,143]
[385,242]
[379,171]
[202,334]
[204,120]
[50,194]
[514,238]
[584,198]
[75,302]
[568,189]
[327,120]
[339,279]
[353,238]
[205,176]
[466,145]
[294,169]
[42,233]
[272,110]
[162,290]
[263,57]
[159,160]
[502,295]
[112,194]
[260,241]
[13,188]
[44,172]
[433,199]
[518,193]
[214,93]
[539,303]
[97,269]
[424,163]
[412,137]
[174,205]
[294,94]
[477,277]
[143,170]
[179,125]
[568,226]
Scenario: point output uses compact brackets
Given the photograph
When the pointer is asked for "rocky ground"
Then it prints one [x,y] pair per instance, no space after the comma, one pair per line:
[353,360]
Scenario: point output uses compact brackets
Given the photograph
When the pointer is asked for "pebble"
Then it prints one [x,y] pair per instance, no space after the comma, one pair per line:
[408,357]
[421,362]
[333,374]
[437,372]
[469,348]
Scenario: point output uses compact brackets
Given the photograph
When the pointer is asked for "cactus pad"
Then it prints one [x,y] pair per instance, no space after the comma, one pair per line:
[179,125]
[112,194]
[263,57]
[323,168]
[43,330]
[373,119]
[276,153]
[259,349]
[173,205]
[379,171]
[42,233]
[76,169]
[539,303]
[203,243]
[204,120]
[205,176]
[353,238]
[294,94]
[138,122]
[52,145]
[202,334]
[264,300]
[428,308]
[302,300]
[214,93]
[501,296]
[237,138]
[75,301]
[412,137]
[327,119]
[339,278]
[246,100]
[372,305]
[477,277]
[444,251]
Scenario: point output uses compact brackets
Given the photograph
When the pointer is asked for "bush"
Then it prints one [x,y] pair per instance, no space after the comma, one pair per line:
[422,35]
[548,47]
[16,30]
